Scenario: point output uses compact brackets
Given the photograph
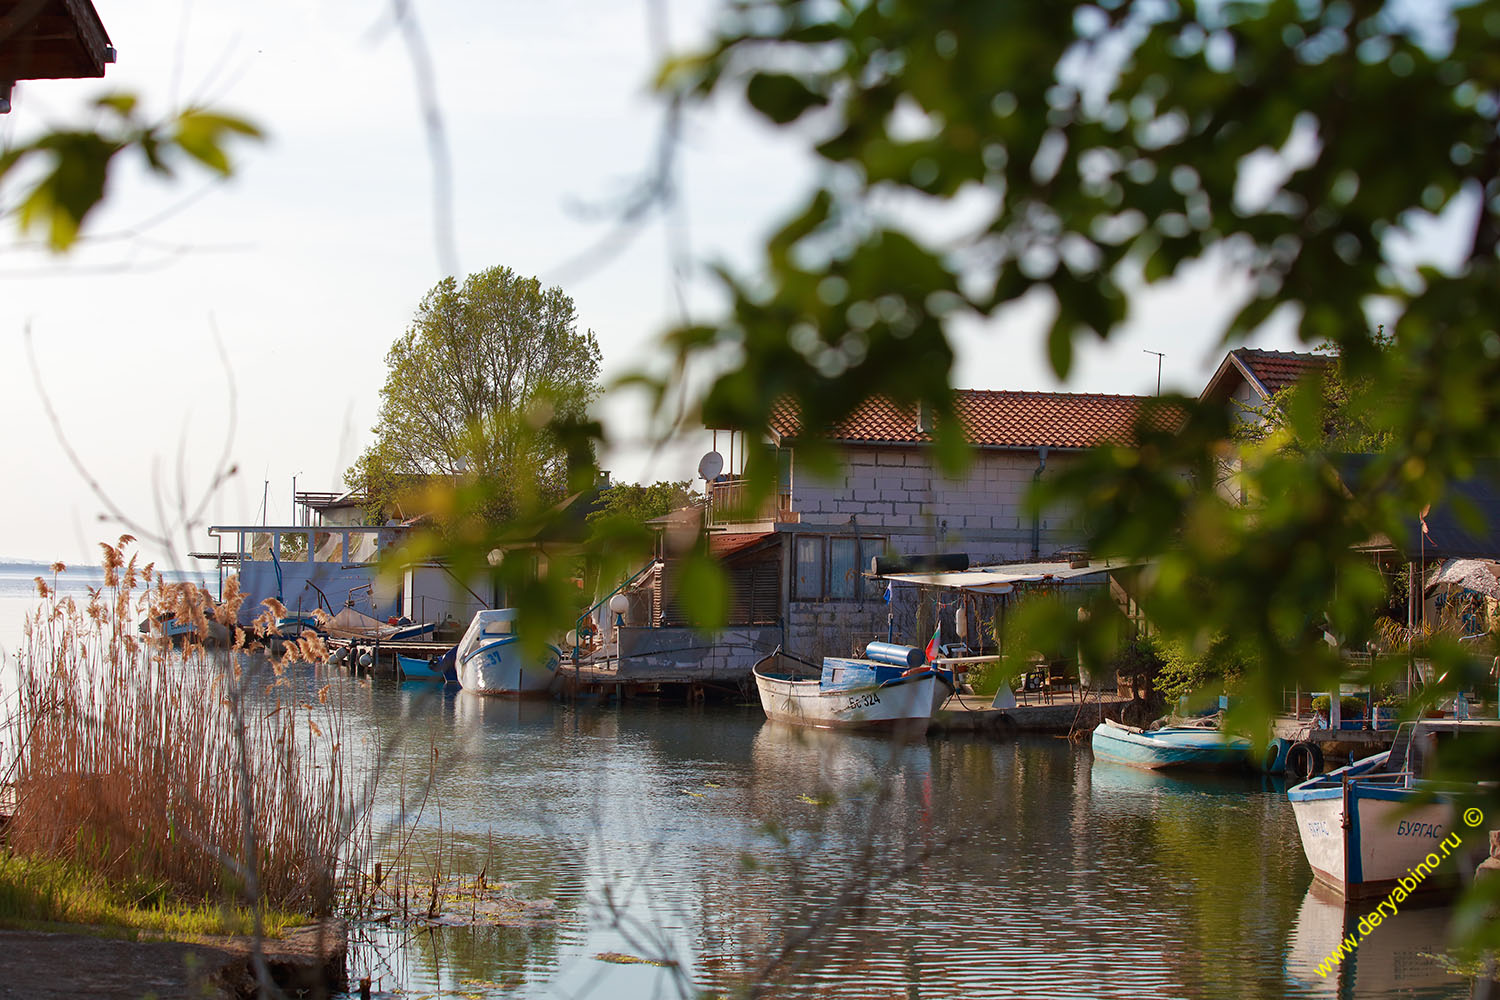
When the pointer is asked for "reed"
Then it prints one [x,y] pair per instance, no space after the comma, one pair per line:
[212,772]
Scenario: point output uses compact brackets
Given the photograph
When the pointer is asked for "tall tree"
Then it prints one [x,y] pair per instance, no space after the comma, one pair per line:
[473,390]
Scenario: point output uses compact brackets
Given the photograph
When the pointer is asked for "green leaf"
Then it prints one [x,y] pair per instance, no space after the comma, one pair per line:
[780,97]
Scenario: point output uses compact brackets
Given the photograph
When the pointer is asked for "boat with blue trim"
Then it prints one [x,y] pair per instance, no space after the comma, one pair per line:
[492,659]
[850,693]
[1379,823]
[440,667]
[1171,747]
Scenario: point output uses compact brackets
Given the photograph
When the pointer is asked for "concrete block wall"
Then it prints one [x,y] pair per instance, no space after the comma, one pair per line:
[897,492]
[688,654]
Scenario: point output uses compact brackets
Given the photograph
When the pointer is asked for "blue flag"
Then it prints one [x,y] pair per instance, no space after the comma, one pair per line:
[888,585]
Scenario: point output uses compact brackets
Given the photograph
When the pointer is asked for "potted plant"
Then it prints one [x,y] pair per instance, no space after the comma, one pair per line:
[1387,707]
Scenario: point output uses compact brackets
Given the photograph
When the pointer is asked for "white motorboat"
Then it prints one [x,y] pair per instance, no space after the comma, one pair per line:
[493,660]
[1381,824]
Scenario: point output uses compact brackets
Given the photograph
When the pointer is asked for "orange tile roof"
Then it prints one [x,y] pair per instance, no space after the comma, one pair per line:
[1276,370]
[995,419]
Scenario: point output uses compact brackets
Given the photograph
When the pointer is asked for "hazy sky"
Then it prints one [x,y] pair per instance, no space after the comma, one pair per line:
[304,267]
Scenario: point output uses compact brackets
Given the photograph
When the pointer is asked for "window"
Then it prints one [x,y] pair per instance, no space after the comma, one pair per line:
[292,546]
[844,581]
[832,569]
[328,547]
[807,584]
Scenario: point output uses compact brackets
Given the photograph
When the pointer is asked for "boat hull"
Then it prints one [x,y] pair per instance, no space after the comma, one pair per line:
[416,669]
[1390,833]
[500,668]
[1171,749]
[904,704]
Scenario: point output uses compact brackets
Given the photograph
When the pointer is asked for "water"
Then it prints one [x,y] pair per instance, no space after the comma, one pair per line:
[970,868]
[979,869]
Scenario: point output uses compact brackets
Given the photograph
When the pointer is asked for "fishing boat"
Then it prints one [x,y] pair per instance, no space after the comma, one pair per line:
[1382,822]
[491,659]
[441,667]
[847,693]
[1171,747]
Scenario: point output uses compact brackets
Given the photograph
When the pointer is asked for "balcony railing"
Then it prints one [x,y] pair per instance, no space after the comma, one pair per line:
[728,503]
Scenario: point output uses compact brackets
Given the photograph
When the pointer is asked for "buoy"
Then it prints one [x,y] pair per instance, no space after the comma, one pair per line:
[365,659]
[1304,759]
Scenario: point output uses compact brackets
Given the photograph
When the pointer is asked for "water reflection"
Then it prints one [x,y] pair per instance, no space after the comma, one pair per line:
[1395,958]
[969,868]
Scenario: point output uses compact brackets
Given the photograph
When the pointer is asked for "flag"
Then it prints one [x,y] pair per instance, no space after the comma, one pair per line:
[932,644]
[888,585]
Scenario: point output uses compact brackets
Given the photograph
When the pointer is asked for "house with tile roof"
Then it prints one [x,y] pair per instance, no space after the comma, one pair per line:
[888,498]
[1251,379]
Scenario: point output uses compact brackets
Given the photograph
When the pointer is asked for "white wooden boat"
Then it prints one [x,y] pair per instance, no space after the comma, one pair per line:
[848,694]
[1381,823]
[1171,747]
[492,659]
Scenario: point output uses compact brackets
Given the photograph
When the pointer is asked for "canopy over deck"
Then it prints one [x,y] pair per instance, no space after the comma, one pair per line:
[1004,578]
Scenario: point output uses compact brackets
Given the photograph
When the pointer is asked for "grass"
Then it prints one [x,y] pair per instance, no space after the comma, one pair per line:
[186,775]
[50,894]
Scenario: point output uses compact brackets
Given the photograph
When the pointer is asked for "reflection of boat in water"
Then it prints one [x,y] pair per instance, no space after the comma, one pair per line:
[848,694]
[1196,748]
[803,758]
[472,711]
[1114,777]
[493,660]
[1367,827]
[1391,959]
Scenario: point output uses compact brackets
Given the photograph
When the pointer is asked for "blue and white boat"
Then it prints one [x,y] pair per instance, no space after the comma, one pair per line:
[1171,747]
[1367,827]
[849,693]
[442,667]
[492,659]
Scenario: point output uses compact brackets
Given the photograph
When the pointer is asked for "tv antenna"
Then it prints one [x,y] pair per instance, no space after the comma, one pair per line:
[1159,356]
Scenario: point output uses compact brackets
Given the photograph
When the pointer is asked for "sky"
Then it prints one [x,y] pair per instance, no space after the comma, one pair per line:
[208,325]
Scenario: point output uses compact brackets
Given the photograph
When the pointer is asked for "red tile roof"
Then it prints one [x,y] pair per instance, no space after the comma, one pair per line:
[995,419]
[1268,372]
[1277,370]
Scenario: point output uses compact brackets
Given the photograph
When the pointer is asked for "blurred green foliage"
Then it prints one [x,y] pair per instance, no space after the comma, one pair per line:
[63,174]
[1093,149]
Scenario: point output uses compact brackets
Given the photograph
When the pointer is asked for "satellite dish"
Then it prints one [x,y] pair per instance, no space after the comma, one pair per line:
[711,465]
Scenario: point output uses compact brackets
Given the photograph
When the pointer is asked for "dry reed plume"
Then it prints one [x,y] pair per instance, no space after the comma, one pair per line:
[201,769]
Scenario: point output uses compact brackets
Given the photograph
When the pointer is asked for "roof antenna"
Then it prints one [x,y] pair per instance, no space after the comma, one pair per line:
[1159,356]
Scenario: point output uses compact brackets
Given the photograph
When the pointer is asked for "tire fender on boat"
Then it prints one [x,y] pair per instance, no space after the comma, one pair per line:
[1304,759]
[1274,761]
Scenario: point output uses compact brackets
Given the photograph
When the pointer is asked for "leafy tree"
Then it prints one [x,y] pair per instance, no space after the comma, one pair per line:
[473,391]
[1350,410]
[637,503]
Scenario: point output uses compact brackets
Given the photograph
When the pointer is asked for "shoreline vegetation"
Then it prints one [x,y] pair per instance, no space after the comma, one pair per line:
[154,791]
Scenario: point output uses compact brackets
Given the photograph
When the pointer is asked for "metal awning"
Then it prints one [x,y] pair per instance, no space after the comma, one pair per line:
[1004,578]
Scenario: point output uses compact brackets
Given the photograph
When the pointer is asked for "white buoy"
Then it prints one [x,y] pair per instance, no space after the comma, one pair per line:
[961,622]
[365,659]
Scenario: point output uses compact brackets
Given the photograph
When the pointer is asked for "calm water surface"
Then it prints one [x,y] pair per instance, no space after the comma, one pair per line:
[706,834]
[988,869]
